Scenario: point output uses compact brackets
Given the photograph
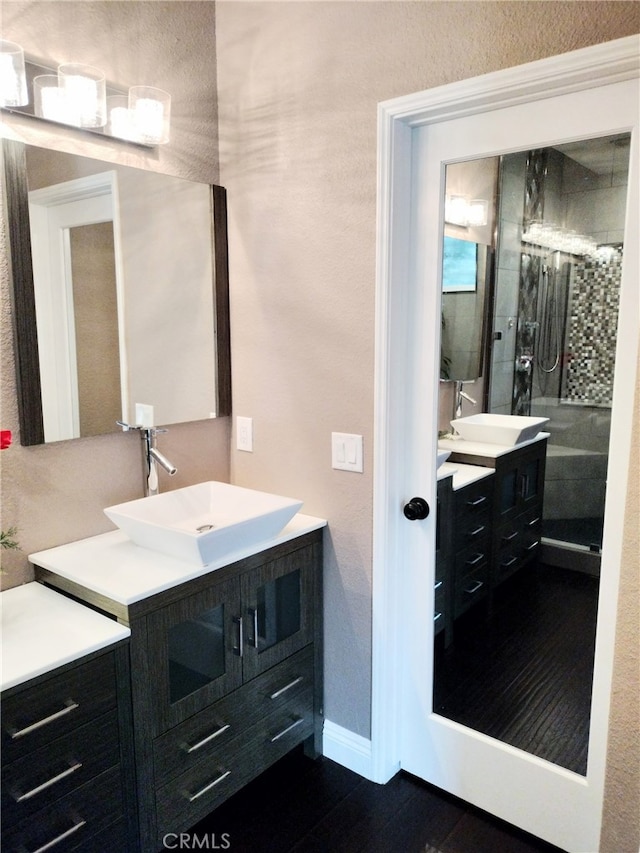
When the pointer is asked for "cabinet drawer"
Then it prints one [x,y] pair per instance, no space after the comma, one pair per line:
[192,795]
[473,500]
[473,529]
[517,543]
[34,716]
[54,770]
[439,605]
[531,523]
[469,560]
[210,730]
[471,584]
[72,823]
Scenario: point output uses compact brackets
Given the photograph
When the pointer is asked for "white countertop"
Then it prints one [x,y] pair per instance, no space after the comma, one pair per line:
[112,565]
[464,474]
[483,448]
[42,630]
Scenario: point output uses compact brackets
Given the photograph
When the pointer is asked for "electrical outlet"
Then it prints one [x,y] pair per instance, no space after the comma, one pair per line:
[244,434]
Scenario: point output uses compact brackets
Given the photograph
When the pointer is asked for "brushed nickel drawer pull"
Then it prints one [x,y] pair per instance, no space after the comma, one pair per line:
[63,835]
[239,649]
[474,588]
[477,501]
[253,612]
[438,585]
[193,797]
[506,563]
[477,559]
[477,531]
[287,687]
[206,739]
[534,522]
[436,616]
[532,546]
[70,705]
[20,798]
[287,730]
[510,537]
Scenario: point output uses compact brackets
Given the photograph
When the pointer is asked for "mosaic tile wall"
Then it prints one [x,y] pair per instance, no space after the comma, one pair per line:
[591,335]
[536,171]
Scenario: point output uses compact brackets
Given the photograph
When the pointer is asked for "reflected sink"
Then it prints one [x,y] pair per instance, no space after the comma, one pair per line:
[507,430]
[205,522]
[443,455]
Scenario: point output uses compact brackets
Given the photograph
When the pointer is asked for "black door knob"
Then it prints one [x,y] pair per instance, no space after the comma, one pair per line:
[416,509]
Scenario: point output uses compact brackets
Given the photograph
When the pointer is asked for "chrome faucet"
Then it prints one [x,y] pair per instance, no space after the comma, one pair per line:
[461,395]
[150,456]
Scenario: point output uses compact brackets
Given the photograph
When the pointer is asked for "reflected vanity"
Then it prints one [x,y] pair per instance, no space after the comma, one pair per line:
[120,285]
[520,551]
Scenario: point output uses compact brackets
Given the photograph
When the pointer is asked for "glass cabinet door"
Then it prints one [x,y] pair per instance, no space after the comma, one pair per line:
[278,612]
[195,651]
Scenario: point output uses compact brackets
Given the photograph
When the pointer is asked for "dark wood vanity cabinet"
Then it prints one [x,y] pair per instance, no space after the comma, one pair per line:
[226,679]
[443,591]
[236,658]
[473,506]
[67,759]
[505,524]
[518,509]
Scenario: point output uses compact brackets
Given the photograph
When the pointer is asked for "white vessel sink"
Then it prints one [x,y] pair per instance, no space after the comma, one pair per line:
[507,430]
[205,522]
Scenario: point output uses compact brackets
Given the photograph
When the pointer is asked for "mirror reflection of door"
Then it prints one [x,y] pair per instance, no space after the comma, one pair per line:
[76,298]
[516,662]
[95,311]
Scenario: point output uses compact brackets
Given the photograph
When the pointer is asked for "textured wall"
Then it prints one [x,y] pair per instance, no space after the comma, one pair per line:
[56,493]
[621,820]
[298,86]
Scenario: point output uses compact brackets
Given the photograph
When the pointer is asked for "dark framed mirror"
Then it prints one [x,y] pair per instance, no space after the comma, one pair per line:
[120,292]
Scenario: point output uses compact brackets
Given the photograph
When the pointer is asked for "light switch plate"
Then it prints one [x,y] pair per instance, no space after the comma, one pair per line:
[346,452]
[244,434]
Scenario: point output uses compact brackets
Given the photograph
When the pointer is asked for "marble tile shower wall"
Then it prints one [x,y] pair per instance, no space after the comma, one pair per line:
[507,283]
[594,204]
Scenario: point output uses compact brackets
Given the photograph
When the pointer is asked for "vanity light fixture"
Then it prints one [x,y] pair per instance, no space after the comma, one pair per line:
[13,78]
[77,95]
[459,210]
[556,238]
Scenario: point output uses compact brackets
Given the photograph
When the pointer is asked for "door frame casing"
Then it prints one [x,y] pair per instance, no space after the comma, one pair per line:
[577,71]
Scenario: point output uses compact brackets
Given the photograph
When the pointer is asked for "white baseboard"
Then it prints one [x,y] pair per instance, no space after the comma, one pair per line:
[347,748]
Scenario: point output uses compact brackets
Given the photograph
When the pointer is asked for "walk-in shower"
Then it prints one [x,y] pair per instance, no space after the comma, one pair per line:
[558,268]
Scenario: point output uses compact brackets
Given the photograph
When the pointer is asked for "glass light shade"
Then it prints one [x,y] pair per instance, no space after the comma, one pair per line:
[85,94]
[48,98]
[13,79]
[151,112]
[456,210]
[478,212]
[119,118]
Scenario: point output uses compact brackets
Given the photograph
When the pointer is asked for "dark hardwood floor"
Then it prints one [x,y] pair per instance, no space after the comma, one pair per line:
[523,674]
[305,806]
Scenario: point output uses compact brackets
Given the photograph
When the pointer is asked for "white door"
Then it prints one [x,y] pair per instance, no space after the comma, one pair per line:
[53,212]
[534,106]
